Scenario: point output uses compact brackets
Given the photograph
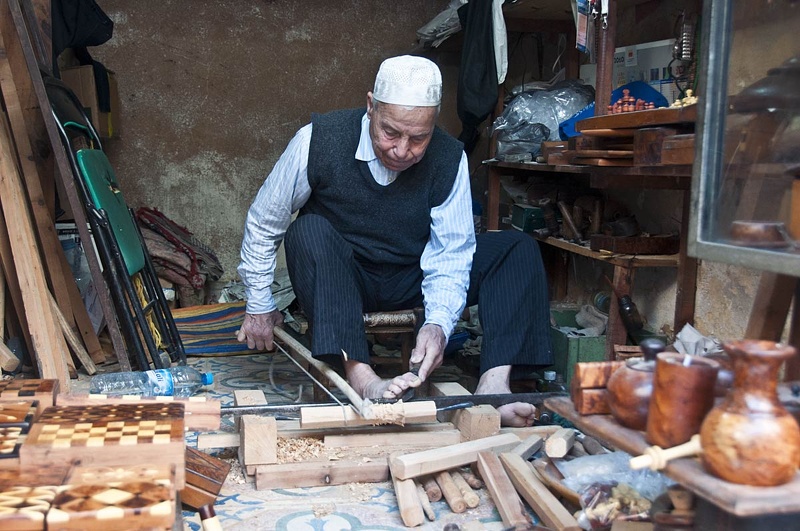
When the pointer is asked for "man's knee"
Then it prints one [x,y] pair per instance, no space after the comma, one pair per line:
[307,232]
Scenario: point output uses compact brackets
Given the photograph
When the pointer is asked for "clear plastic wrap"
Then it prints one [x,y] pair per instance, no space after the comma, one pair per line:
[533,117]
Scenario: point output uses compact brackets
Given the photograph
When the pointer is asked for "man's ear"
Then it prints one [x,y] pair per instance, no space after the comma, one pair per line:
[370,104]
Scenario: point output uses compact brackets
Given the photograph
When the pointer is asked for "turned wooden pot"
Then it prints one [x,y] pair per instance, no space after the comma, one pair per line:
[750,438]
[630,387]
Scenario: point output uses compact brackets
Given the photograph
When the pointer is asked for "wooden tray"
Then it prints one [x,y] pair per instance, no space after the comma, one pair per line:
[636,119]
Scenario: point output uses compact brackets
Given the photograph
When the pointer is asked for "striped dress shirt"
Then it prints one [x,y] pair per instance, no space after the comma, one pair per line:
[445,262]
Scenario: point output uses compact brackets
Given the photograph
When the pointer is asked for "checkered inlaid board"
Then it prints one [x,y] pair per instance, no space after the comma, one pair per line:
[10,440]
[18,413]
[25,507]
[166,412]
[113,433]
[15,389]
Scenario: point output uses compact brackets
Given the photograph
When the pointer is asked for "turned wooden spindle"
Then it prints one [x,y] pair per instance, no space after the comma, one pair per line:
[656,458]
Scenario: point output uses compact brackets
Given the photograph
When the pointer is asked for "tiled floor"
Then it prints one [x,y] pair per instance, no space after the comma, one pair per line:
[363,507]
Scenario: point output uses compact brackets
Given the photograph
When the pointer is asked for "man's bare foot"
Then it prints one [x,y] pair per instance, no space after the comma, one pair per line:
[367,384]
[496,381]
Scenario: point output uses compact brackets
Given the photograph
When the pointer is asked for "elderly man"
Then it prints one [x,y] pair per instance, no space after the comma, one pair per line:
[385,223]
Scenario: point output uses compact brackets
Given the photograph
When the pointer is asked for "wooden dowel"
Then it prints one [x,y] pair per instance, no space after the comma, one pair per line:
[432,489]
[470,497]
[451,492]
[427,508]
[471,479]
[656,458]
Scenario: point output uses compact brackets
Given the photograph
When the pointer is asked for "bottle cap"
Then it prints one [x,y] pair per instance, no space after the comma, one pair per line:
[550,375]
[207,378]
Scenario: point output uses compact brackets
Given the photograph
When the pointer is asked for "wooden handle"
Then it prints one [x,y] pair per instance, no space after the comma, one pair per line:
[656,457]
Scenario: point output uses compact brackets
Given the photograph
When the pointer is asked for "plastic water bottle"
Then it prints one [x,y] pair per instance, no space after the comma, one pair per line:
[181,381]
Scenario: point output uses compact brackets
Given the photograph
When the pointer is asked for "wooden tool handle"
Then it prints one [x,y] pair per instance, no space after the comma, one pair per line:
[656,457]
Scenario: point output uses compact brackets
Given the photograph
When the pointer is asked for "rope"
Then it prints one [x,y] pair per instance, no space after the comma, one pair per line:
[151,324]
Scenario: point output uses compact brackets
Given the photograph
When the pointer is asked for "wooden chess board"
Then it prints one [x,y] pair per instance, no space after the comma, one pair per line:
[19,413]
[24,508]
[11,439]
[44,391]
[94,435]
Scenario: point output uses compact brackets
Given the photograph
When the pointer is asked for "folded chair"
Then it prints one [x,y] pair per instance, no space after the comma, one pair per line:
[145,319]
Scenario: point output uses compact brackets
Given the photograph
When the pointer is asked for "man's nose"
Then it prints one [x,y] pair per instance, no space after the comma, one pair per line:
[401,148]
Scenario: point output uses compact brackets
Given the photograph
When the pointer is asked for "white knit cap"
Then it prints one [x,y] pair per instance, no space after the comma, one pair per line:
[408,80]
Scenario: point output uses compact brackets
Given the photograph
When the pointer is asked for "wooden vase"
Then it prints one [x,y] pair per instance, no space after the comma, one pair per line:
[750,438]
[630,387]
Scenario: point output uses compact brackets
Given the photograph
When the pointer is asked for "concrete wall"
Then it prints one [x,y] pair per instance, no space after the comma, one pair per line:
[211,93]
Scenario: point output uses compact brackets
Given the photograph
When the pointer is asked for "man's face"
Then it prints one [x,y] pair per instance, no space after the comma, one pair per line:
[400,135]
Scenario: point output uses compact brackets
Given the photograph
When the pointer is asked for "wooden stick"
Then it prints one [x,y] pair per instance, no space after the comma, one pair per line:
[469,495]
[427,508]
[529,446]
[471,479]
[656,457]
[503,492]
[362,405]
[541,500]
[559,444]
[451,492]
[432,489]
[73,340]
[408,502]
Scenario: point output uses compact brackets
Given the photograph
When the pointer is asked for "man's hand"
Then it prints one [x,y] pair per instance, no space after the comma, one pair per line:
[429,349]
[257,328]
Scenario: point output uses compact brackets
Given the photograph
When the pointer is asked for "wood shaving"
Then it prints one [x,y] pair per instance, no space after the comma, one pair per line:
[361,492]
[323,509]
[298,449]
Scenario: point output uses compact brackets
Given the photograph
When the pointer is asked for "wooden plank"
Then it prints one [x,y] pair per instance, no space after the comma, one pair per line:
[338,416]
[73,340]
[477,422]
[740,500]
[320,474]
[200,412]
[504,495]
[528,447]
[50,348]
[436,460]
[413,439]
[637,119]
[408,502]
[541,500]
[206,441]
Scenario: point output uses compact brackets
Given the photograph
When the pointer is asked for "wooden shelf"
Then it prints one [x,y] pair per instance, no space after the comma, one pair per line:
[622,260]
[739,500]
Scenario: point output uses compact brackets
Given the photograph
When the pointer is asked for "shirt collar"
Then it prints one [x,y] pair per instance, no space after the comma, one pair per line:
[364,150]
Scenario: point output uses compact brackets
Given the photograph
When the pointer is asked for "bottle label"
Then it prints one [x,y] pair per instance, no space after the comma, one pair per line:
[161,382]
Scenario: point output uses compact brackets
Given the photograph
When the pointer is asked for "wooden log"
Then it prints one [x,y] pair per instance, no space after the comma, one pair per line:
[477,422]
[427,508]
[408,502]
[320,474]
[338,416]
[541,500]
[559,444]
[529,446]
[470,497]
[505,496]
[451,492]
[436,460]
[432,489]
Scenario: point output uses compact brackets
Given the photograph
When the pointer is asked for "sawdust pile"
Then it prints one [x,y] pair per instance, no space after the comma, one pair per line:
[298,449]
[361,492]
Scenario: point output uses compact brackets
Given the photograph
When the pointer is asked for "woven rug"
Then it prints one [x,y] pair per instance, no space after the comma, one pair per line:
[210,330]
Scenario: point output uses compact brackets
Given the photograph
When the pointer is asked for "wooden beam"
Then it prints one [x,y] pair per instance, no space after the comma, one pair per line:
[505,497]
[50,349]
[436,460]
[320,474]
[340,416]
[544,504]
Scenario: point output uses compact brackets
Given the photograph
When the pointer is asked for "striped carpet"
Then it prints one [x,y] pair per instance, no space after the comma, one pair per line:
[210,330]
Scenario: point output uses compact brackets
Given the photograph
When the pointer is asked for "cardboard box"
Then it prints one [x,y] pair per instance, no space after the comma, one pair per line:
[81,80]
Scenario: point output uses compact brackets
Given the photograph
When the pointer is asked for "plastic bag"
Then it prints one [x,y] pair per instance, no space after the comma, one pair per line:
[605,501]
[533,117]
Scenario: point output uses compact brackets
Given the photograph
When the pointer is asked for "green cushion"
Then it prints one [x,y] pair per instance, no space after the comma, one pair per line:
[105,195]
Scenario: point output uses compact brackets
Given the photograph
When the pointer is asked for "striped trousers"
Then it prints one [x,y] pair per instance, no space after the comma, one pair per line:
[334,289]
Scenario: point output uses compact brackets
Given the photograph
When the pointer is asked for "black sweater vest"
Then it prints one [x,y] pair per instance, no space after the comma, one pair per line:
[384,224]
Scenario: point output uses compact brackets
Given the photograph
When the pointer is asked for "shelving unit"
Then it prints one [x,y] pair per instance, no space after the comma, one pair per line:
[598,177]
